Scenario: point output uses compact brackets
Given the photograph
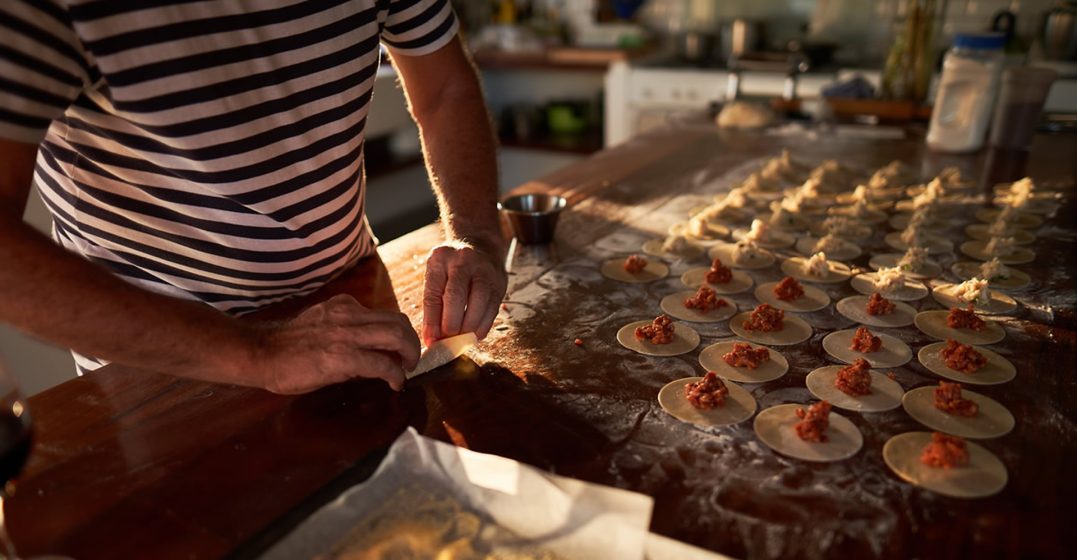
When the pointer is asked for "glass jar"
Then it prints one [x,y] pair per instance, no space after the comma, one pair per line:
[966,93]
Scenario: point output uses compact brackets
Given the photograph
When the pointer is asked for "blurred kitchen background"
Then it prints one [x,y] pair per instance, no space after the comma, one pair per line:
[565,78]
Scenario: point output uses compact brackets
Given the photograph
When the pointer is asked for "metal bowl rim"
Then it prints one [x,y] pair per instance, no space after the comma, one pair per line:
[560,201]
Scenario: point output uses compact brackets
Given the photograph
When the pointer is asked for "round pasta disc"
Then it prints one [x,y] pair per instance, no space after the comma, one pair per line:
[728,213]
[695,277]
[901,221]
[815,203]
[1032,205]
[948,188]
[739,405]
[885,392]
[998,304]
[1021,220]
[837,272]
[1016,280]
[673,305]
[711,360]
[762,259]
[685,339]
[793,222]
[944,206]
[984,476]
[845,251]
[776,238]
[933,324]
[774,427]
[854,308]
[712,231]
[880,199]
[977,249]
[888,193]
[875,214]
[813,299]
[926,269]
[934,244]
[655,270]
[892,353]
[763,195]
[997,370]
[795,330]
[1020,236]
[654,248]
[1005,188]
[992,420]
[860,231]
[913,290]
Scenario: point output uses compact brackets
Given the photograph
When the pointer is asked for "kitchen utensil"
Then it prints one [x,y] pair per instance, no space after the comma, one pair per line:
[1060,32]
[533,217]
[1017,112]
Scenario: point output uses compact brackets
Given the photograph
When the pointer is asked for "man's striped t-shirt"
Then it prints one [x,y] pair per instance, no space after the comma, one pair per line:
[210,150]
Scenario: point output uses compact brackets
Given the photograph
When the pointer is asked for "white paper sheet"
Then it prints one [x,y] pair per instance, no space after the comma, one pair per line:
[573,519]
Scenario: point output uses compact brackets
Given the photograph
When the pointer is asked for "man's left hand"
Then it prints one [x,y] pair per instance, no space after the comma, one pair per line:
[465,283]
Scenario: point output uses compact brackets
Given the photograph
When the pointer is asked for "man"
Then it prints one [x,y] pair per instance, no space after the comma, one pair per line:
[197,153]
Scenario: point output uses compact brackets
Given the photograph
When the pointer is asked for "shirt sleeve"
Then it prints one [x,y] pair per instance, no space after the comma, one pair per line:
[418,27]
[43,68]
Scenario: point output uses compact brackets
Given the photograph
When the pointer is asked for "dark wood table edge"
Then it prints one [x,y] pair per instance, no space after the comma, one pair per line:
[279,528]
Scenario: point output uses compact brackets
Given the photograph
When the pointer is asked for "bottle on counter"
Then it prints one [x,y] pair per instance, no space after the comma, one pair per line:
[966,93]
[910,62]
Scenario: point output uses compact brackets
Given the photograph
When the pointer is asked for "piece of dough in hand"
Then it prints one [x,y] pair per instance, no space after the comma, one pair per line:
[443,352]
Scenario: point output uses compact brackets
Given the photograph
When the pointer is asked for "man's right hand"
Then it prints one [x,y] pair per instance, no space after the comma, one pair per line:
[335,341]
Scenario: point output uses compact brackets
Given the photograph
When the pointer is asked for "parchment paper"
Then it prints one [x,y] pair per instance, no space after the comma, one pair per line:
[570,518]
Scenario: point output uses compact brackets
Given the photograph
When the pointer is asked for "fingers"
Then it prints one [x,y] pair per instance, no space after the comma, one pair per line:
[488,319]
[396,338]
[454,301]
[372,364]
[383,367]
[433,290]
[463,290]
[478,305]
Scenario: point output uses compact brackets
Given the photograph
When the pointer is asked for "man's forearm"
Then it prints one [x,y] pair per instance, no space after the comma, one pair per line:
[464,282]
[461,156]
[54,295]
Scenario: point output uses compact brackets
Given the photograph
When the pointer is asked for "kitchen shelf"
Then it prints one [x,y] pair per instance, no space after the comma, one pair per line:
[560,58]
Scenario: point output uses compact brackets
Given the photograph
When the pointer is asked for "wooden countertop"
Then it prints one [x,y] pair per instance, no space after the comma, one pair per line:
[131,464]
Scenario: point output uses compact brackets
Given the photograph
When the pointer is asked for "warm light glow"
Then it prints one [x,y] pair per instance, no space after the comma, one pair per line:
[17,409]
[455,436]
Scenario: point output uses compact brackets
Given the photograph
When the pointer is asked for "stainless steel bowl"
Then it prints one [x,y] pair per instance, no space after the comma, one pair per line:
[532,217]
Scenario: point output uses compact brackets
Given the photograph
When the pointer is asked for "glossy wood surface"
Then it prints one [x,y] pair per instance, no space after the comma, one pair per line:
[131,464]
